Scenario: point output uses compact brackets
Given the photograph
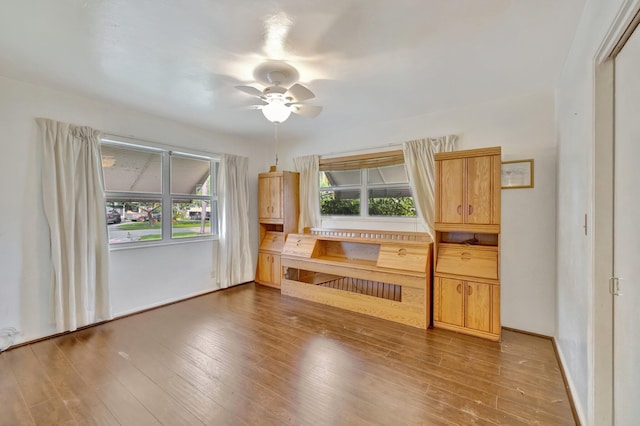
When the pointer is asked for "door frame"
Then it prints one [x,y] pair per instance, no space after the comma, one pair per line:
[600,358]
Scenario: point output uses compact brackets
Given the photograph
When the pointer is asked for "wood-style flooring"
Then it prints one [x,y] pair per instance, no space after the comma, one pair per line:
[248,355]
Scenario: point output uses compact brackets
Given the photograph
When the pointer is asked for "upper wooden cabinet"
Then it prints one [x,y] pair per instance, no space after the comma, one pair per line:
[468,190]
[270,193]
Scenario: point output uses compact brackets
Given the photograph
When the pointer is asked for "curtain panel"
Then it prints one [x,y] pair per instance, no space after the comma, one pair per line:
[308,167]
[235,264]
[74,205]
[419,161]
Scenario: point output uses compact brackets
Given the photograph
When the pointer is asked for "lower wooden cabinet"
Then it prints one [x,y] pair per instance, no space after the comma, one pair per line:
[269,269]
[468,306]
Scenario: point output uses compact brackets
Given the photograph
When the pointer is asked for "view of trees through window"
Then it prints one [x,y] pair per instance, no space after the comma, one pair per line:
[378,191]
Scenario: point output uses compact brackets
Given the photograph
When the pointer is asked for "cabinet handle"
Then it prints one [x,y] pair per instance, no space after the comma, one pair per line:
[402,252]
[459,209]
[469,290]
[470,209]
[465,256]
[298,243]
[459,288]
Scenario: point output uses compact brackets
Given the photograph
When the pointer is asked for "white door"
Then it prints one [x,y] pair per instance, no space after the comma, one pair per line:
[626,317]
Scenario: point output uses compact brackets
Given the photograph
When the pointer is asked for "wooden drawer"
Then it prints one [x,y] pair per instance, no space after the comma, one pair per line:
[272,241]
[472,261]
[300,245]
[404,257]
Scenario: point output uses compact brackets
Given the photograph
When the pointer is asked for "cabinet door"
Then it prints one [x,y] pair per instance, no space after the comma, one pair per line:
[478,306]
[264,267]
[270,197]
[479,190]
[448,301]
[275,195]
[264,197]
[276,269]
[451,191]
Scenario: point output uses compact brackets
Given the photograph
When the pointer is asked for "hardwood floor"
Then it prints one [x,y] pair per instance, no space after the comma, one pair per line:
[247,355]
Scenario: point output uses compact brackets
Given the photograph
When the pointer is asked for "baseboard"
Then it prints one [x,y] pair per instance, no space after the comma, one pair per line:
[576,409]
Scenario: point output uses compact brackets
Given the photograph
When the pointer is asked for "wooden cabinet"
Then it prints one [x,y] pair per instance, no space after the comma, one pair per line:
[270,196]
[269,270]
[466,188]
[466,291]
[466,304]
[278,210]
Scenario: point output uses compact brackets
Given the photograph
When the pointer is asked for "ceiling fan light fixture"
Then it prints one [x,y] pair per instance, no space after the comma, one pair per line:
[276,112]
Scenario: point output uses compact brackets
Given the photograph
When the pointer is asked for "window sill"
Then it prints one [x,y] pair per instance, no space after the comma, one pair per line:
[150,244]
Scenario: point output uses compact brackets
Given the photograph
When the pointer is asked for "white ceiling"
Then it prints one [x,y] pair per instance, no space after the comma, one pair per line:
[366,60]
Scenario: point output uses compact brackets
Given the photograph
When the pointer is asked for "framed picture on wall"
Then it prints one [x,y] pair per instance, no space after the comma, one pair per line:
[517,174]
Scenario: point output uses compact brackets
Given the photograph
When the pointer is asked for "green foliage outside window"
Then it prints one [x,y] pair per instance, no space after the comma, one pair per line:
[330,205]
[392,206]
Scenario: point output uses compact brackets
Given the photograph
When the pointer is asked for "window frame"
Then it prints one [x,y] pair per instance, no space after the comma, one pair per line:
[363,163]
[166,197]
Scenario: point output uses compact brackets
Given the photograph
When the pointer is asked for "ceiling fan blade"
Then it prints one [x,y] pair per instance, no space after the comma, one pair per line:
[249,90]
[256,106]
[299,93]
[310,111]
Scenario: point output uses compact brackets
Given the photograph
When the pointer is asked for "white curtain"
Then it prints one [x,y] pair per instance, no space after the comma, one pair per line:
[308,166]
[419,160]
[74,204]
[235,265]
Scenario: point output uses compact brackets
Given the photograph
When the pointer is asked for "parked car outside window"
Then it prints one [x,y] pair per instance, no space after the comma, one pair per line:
[113,216]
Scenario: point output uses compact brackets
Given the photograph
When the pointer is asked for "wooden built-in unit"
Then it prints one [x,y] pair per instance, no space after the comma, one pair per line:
[466,284]
[278,211]
[381,273]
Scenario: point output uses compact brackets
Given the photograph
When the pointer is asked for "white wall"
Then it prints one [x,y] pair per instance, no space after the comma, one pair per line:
[140,278]
[575,113]
[525,128]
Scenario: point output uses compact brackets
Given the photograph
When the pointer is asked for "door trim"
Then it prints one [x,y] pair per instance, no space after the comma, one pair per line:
[600,329]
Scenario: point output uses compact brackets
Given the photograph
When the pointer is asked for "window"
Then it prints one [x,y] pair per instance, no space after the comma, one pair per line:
[367,185]
[143,183]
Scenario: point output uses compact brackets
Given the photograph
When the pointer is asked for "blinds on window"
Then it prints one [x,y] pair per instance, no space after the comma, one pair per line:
[362,161]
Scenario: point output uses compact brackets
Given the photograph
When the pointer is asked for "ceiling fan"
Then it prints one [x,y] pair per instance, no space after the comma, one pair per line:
[280,102]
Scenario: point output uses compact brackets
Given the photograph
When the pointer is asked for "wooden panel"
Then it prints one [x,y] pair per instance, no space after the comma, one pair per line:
[478,306]
[473,261]
[272,241]
[300,245]
[467,227]
[264,202]
[275,197]
[263,272]
[496,328]
[415,296]
[479,190]
[276,270]
[448,301]
[496,183]
[399,256]
[291,202]
[381,308]
[451,191]
[349,250]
